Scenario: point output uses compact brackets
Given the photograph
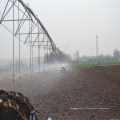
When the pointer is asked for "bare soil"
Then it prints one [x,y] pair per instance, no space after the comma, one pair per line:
[89,93]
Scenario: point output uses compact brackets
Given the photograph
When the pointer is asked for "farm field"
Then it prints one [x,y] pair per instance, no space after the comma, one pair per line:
[83,93]
[96,64]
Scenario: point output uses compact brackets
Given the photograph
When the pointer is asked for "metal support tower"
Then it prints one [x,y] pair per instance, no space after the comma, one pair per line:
[28,29]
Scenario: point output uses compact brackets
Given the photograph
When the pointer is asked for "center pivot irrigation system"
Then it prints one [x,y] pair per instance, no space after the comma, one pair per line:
[27,28]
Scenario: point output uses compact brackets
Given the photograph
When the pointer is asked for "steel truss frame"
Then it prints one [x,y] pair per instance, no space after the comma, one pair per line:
[41,40]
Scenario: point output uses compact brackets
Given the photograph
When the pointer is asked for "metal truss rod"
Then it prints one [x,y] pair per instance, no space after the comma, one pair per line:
[19,46]
[47,57]
[11,32]
[8,10]
[30,47]
[13,46]
[20,23]
[47,45]
[53,46]
[15,20]
[28,33]
[38,50]
[4,11]
[44,59]
[35,40]
[44,46]
[19,9]
[22,11]
[30,14]
[42,40]
[39,58]
[26,8]
[32,61]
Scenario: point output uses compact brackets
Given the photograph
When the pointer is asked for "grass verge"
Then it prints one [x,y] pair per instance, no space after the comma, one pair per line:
[96,64]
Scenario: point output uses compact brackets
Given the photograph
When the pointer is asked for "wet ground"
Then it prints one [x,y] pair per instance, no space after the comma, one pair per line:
[90,93]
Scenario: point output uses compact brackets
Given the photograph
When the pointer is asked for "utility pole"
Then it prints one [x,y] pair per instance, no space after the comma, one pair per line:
[97,49]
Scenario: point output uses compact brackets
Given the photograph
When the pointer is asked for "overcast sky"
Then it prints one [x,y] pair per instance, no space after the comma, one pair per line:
[75,23]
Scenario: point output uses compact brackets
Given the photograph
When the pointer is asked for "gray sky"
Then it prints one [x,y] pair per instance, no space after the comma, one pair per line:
[75,23]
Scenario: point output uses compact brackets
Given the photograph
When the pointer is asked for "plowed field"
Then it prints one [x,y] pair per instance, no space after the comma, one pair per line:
[89,93]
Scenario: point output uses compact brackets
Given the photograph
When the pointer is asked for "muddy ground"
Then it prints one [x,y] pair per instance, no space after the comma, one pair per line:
[90,93]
